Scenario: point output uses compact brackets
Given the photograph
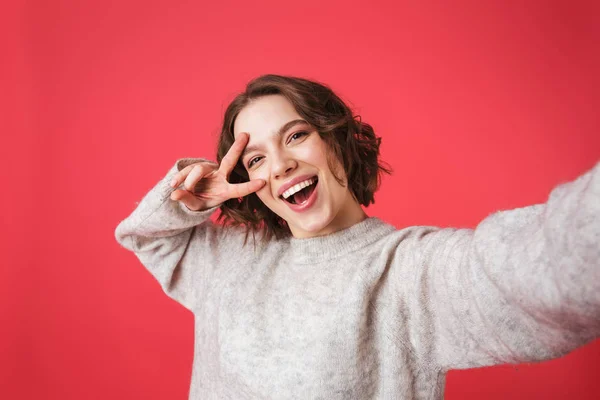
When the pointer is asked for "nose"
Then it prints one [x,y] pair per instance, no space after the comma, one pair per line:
[282,165]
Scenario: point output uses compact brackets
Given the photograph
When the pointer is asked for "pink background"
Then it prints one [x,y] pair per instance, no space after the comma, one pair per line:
[481,105]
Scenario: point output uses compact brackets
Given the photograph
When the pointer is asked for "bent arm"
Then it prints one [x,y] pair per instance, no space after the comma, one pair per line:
[160,231]
[523,286]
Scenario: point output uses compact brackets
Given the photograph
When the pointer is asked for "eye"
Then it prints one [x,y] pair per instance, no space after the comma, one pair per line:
[298,135]
[251,162]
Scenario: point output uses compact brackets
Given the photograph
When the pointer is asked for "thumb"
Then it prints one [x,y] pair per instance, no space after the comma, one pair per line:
[246,188]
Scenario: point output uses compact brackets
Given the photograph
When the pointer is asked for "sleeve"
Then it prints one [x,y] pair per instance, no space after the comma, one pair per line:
[523,286]
[159,232]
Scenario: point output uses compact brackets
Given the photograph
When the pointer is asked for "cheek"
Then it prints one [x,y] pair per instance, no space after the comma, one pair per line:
[261,173]
[321,158]
[264,194]
[336,170]
[313,156]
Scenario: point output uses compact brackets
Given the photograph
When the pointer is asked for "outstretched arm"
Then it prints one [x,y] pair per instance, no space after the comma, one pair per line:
[523,286]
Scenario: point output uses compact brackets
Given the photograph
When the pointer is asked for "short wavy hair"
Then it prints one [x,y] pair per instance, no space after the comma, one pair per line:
[350,140]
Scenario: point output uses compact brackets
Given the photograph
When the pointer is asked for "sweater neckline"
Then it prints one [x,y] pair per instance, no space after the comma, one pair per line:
[336,244]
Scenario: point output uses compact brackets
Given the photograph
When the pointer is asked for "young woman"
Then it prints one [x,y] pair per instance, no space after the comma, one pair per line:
[327,302]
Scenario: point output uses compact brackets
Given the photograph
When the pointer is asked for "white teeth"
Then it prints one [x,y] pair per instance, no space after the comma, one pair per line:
[296,188]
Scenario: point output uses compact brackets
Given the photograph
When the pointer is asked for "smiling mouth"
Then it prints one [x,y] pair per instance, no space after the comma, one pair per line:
[302,195]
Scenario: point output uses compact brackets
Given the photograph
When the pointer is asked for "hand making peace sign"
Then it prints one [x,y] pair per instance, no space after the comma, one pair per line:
[214,187]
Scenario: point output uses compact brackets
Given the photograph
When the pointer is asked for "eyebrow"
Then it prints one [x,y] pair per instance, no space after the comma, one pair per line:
[286,127]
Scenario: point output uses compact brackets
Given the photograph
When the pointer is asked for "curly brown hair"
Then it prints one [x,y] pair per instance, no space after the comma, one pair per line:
[351,141]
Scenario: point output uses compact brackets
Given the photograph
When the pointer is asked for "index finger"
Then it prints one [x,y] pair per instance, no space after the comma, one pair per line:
[233,154]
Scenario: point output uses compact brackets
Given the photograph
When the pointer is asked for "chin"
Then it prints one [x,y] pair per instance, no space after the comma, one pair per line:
[312,226]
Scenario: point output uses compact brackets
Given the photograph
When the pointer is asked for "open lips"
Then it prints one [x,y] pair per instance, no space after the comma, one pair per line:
[300,192]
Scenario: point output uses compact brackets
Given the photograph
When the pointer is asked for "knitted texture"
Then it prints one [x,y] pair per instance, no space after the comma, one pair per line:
[374,312]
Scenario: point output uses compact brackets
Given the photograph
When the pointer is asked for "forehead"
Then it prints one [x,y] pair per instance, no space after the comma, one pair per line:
[264,116]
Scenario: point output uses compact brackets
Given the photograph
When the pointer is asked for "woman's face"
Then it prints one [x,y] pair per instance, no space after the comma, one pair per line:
[292,158]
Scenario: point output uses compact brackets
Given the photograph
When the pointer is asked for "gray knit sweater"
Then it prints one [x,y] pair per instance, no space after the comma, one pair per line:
[374,312]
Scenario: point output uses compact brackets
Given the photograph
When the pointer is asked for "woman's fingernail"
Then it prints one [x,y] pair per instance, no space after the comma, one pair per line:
[173,182]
